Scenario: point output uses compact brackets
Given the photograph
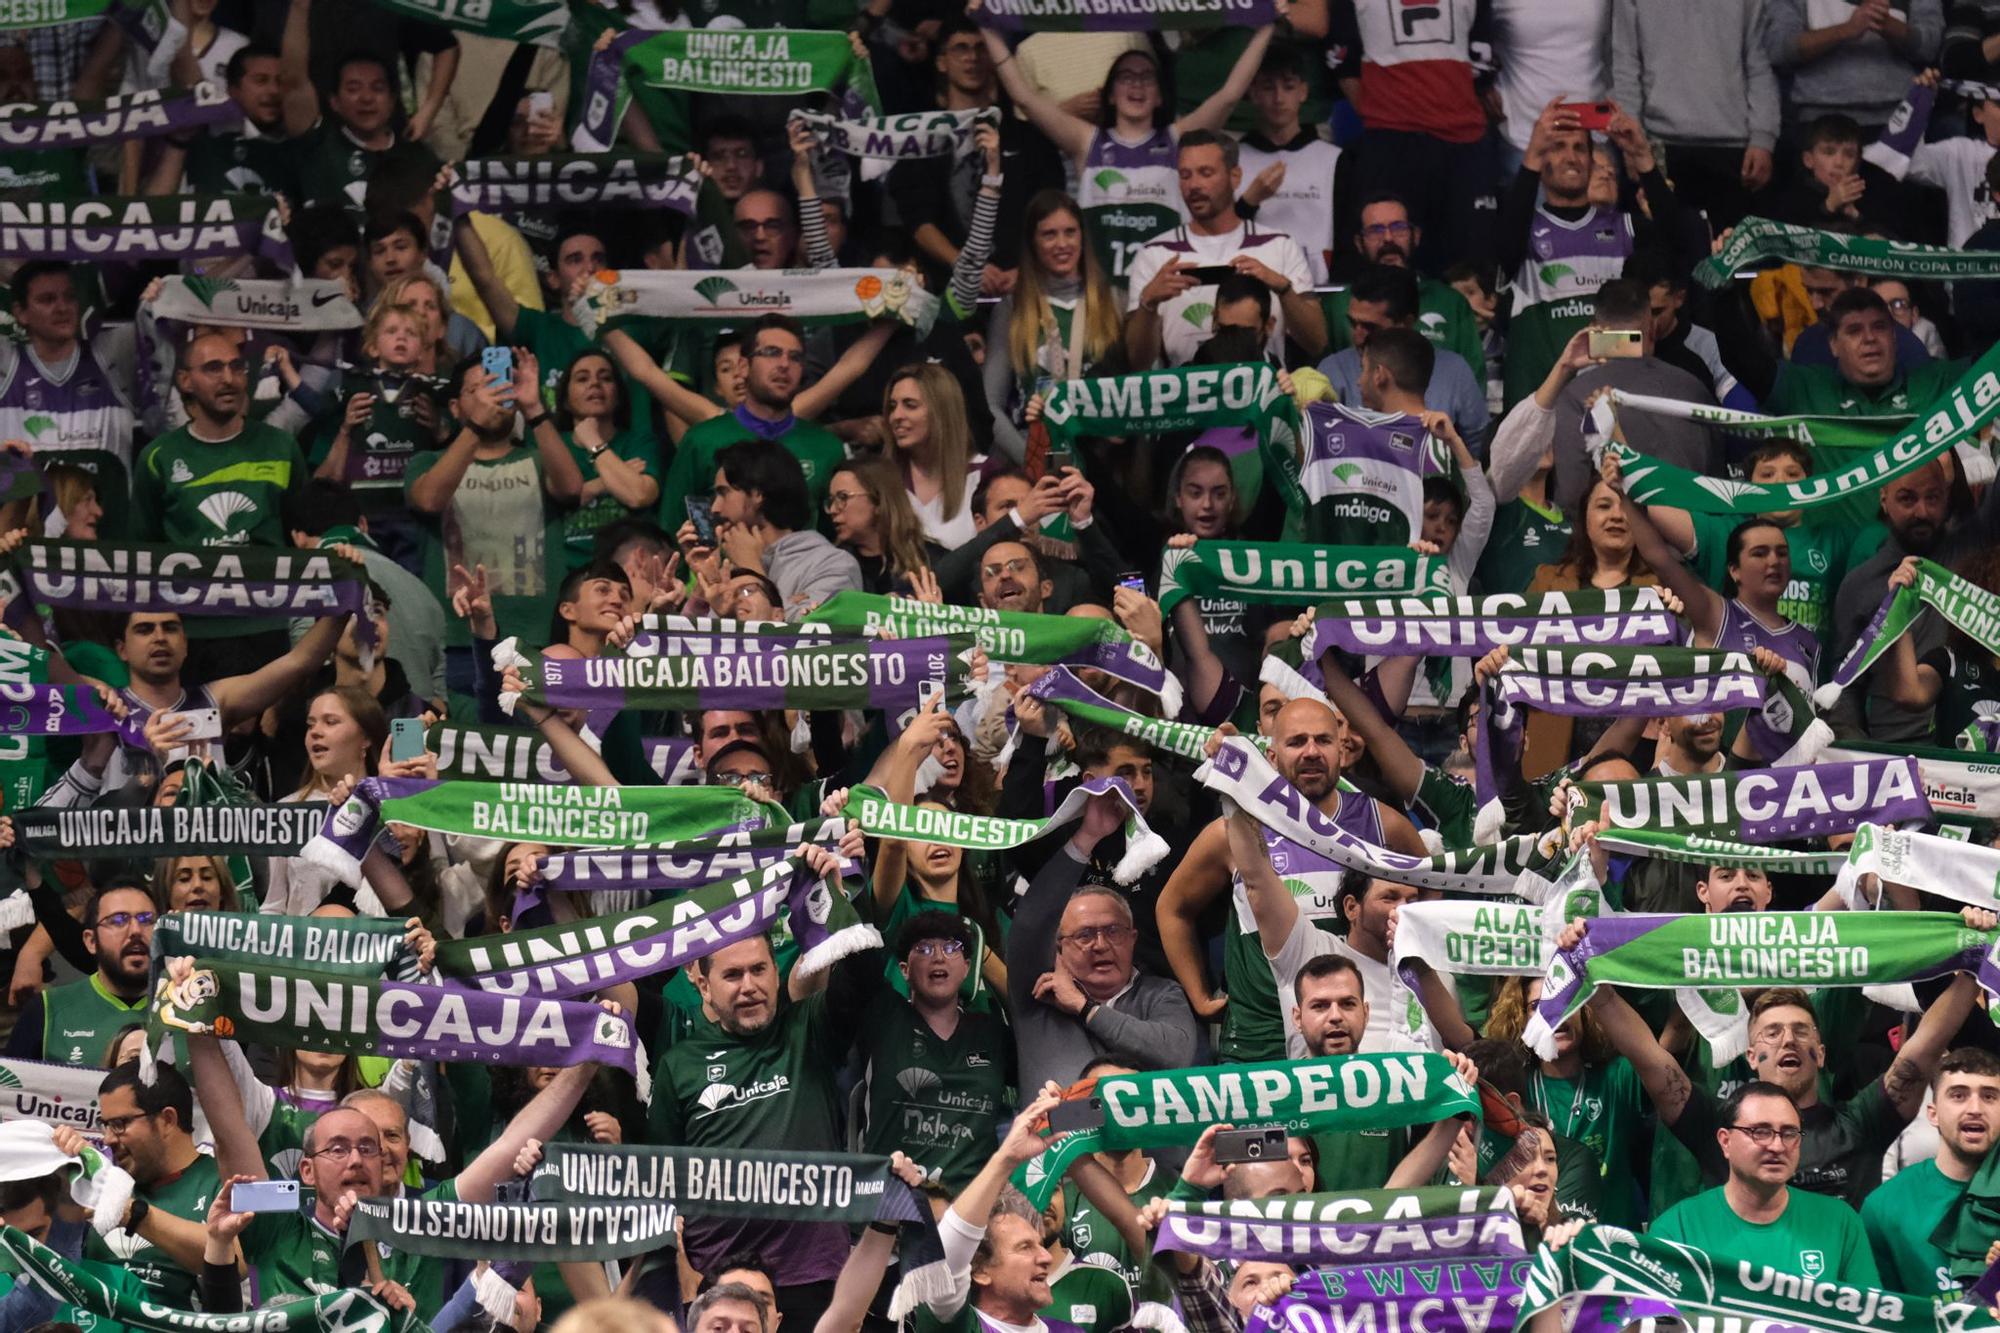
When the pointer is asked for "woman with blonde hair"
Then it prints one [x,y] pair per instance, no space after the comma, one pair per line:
[930,440]
[874,522]
[1062,321]
[195,884]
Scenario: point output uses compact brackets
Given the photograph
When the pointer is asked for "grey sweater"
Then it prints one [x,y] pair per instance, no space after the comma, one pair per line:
[1149,1026]
[1695,71]
[1864,78]
[808,569]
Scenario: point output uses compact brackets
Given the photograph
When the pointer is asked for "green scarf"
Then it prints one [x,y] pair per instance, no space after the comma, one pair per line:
[349,1311]
[1296,573]
[1007,636]
[1061,689]
[1959,416]
[1152,402]
[879,817]
[816,298]
[1619,1278]
[1700,849]
[1968,607]
[575,1231]
[356,947]
[1755,239]
[47,13]
[1335,1094]
[1833,432]
[1962,787]
[532,22]
[1969,1225]
[767,62]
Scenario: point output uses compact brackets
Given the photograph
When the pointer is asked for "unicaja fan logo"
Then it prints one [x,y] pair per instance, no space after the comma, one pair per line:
[712,290]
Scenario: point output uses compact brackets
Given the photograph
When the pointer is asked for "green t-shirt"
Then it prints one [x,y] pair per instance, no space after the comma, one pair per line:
[380,449]
[1448,804]
[582,524]
[1095,1242]
[1821,556]
[1821,391]
[1535,339]
[113,1275]
[291,1254]
[1093,1297]
[188,1196]
[555,342]
[189,492]
[769,1090]
[1443,317]
[692,473]
[1971,682]
[331,168]
[1360,1159]
[221,163]
[500,516]
[1899,1218]
[940,1100]
[1605,1111]
[80,1017]
[1525,537]
[1253,1027]
[1841,1154]
[51,173]
[1814,1237]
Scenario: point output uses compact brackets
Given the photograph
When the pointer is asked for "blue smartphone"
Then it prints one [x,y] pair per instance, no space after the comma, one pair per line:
[406,738]
[499,363]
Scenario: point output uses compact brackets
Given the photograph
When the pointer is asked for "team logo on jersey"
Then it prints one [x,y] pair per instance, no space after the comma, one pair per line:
[1817,560]
[181,473]
[1813,1262]
[716,1073]
[226,509]
[1112,182]
[1197,313]
[1402,439]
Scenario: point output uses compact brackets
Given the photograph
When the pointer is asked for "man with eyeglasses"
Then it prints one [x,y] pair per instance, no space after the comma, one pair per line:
[775,348]
[936,1072]
[149,1131]
[220,480]
[72,1024]
[1844,1141]
[1072,988]
[1755,1214]
[56,389]
[1387,236]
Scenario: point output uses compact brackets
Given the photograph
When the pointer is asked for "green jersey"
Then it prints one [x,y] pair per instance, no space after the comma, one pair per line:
[1525,537]
[1821,391]
[332,167]
[186,1195]
[379,450]
[1094,1297]
[1095,1242]
[80,1017]
[601,509]
[692,473]
[1604,1110]
[219,163]
[291,1254]
[500,516]
[1360,1159]
[1448,805]
[49,172]
[942,1100]
[191,492]
[1899,1218]
[1814,1237]
[1443,317]
[1821,556]
[115,1276]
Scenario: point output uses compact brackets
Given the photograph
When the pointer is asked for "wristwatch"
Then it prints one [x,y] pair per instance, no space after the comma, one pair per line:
[598,449]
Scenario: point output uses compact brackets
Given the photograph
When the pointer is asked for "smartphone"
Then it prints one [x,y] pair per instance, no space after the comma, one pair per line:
[701,514]
[406,738]
[204,724]
[1590,115]
[265,1196]
[927,690]
[1608,344]
[1134,580]
[1249,1145]
[542,104]
[1210,274]
[1058,460]
[499,363]
[1083,1113]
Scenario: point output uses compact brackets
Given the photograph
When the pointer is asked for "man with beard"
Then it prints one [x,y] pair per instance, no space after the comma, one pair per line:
[498,504]
[1011,578]
[1072,988]
[258,158]
[1844,1142]
[775,348]
[149,1131]
[1755,1214]
[72,1024]
[757,1070]
[1166,283]
[1310,746]
[936,1072]
[1387,236]
[764,522]
[1902,1214]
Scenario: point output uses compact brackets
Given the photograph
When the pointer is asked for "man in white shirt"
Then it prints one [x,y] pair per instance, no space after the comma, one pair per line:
[1173,278]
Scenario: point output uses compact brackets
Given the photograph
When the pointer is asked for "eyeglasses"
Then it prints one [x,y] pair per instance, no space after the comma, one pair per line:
[1018,566]
[792,354]
[116,1125]
[1090,936]
[753,225]
[937,948]
[1899,303]
[366,1149]
[737,779]
[1761,1135]
[837,500]
[1138,78]
[237,367]
[1377,230]
[120,920]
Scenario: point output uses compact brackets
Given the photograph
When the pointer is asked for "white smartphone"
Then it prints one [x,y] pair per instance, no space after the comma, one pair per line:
[265,1196]
[927,690]
[204,724]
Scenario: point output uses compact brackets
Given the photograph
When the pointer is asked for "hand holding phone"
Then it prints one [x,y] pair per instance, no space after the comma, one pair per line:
[204,724]
[701,513]
[406,739]
[498,362]
[1590,115]
[1080,1114]
[265,1196]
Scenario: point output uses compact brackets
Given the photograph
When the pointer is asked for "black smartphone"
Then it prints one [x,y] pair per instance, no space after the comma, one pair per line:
[1083,1113]
[1134,580]
[699,514]
[1210,274]
[1249,1145]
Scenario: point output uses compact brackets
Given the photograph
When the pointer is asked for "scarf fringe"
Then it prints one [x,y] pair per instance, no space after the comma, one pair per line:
[1153,1315]
[1288,680]
[1826,696]
[1173,697]
[324,854]
[920,1286]
[507,653]
[1489,823]
[1141,854]
[1810,743]
[843,943]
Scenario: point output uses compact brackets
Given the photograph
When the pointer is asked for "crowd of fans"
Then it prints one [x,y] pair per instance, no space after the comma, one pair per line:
[1457,223]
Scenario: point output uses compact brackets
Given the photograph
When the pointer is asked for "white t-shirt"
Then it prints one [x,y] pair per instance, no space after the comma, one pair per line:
[214,62]
[1186,321]
[1303,206]
[1309,941]
[957,531]
[1958,167]
[1545,49]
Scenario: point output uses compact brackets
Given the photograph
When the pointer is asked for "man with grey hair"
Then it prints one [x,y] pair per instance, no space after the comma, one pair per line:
[729,1307]
[1071,983]
[992,1236]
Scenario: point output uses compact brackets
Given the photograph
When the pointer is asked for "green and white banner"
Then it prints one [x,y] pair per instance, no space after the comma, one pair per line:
[296,305]
[1953,868]
[1756,239]
[814,297]
[880,817]
[1701,849]
[1965,605]
[1833,432]
[1296,573]
[575,1231]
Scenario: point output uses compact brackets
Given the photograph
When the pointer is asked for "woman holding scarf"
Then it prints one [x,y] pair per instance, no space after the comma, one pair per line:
[345,732]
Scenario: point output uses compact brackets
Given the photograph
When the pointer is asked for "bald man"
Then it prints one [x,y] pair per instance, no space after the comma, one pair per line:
[1311,746]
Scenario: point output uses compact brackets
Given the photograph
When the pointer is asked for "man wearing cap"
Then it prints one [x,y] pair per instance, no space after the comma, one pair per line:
[936,1071]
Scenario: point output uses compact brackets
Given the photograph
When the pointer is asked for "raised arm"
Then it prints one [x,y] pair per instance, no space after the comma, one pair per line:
[1216,108]
[1421,1163]
[1402,771]
[1271,903]
[236,1151]
[676,397]
[1197,881]
[1071,134]
[1917,1059]
[1661,1075]
[1704,605]
[301,106]
[499,302]
[540,1120]
[247,696]
[814,402]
